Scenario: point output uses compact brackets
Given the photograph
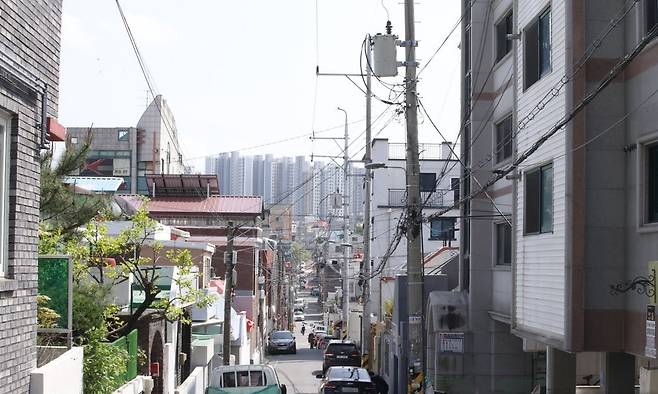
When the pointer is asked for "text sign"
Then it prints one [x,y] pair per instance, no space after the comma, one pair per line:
[451,342]
[650,344]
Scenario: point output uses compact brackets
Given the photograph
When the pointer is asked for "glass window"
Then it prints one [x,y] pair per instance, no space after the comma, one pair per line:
[503,28]
[229,379]
[651,14]
[537,40]
[442,229]
[454,185]
[544,43]
[539,200]
[652,183]
[504,139]
[123,135]
[427,182]
[4,191]
[503,244]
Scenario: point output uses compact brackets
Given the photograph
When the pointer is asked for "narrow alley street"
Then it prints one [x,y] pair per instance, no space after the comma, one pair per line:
[297,371]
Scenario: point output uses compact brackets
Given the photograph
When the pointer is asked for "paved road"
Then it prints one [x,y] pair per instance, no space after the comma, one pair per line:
[296,371]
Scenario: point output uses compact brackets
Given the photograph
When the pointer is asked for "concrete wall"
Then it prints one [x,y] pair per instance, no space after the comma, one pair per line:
[30,48]
[139,385]
[196,383]
[63,375]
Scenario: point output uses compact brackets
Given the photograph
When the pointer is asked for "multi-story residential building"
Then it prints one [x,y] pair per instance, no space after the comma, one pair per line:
[29,80]
[440,171]
[132,152]
[583,201]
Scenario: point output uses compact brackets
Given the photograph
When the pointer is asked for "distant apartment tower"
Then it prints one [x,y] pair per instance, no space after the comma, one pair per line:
[131,152]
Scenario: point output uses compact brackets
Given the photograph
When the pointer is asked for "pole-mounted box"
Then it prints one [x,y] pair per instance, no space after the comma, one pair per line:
[385,55]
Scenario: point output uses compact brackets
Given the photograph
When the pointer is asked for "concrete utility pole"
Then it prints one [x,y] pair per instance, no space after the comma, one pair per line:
[346,253]
[365,333]
[414,224]
[228,291]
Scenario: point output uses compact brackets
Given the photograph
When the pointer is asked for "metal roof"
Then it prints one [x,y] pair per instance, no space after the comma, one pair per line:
[201,206]
[95,184]
[182,184]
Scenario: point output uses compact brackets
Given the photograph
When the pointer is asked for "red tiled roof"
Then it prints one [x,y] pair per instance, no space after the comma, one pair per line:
[235,205]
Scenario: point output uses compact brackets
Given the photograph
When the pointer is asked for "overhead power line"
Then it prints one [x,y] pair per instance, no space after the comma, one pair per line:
[614,72]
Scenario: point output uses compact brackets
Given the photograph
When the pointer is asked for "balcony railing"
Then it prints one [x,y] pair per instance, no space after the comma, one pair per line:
[398,151]
[437,199]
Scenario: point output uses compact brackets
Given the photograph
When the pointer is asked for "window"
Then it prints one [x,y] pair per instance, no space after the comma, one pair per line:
[442,229]
[651,10]
[454,185]
[538,48]
[427,182]
[123,135]
[539,200]
[504,139]
[652,183]
[4,191]
[503,28]
[503,244]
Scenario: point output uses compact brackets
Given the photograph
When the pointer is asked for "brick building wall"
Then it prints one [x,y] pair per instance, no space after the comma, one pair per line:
[29,59]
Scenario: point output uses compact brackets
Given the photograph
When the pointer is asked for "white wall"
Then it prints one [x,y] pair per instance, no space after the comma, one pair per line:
[540,274]
[195,383]
[63,375]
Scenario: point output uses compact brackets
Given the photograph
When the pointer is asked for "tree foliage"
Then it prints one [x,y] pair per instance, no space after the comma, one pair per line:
[102,260]
[61,208]
[300,253]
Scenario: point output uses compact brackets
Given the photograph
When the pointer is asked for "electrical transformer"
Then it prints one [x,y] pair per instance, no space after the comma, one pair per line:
[385,50]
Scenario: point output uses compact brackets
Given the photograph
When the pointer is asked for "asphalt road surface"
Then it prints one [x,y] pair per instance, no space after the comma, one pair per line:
[296,371]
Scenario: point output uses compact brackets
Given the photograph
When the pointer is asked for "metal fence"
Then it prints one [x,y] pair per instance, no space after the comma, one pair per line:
[129,343]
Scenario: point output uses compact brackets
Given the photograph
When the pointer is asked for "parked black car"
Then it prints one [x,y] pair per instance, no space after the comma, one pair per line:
[281,342]
[341,353]
[346,380]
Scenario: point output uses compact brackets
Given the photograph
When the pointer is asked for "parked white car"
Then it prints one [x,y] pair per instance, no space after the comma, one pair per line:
[298,316]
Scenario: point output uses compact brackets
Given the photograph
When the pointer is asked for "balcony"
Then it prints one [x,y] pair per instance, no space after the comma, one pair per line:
[398,151]
[438,199]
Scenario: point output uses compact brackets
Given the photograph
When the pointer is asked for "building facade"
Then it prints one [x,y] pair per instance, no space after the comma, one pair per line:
[582,197]
[29,66]
[132,152]
[439,173]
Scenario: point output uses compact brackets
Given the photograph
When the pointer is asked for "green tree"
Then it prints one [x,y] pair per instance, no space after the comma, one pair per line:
[300,253]
[63,209]
[104,261]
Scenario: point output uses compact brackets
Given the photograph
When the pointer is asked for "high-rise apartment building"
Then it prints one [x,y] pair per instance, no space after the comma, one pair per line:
[309,188]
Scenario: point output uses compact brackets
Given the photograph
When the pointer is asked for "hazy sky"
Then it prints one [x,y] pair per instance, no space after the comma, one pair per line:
[242,73]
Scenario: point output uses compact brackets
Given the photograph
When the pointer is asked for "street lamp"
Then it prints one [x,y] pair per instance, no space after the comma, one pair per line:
[378,165]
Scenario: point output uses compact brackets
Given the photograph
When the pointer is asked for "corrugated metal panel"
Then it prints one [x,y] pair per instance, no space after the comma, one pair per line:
[540,259]
[197,205]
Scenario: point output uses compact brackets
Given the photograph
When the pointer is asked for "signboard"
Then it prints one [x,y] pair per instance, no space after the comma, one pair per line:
[121,167]
[55,279]
[650,344]
[653,268]
[451,342]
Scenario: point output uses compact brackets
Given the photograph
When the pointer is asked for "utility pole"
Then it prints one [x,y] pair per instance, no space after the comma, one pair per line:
[365,333]
[228,291]
[414,224]
[346,254]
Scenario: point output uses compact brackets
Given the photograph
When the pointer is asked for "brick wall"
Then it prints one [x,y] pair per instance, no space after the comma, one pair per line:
[29,51]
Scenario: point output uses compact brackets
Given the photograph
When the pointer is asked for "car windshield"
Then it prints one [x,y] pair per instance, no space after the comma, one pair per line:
[282,335]
[348,373]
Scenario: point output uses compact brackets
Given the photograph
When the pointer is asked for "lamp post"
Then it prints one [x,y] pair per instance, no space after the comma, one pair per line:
[345,204]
